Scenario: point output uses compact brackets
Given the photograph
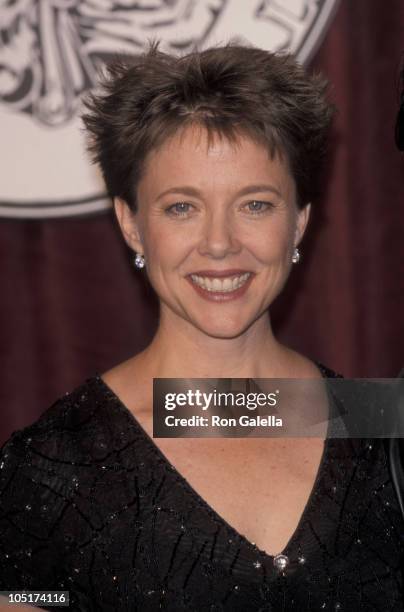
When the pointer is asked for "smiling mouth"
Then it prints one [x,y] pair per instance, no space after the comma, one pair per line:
[220,285]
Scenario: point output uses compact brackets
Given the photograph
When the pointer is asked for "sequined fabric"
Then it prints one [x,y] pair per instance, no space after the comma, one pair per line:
[89,504]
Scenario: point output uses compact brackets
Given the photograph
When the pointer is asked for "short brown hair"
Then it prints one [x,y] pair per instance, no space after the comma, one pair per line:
[230,89]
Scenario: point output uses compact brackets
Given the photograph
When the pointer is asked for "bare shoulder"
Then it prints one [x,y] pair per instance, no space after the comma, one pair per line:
[121,372]
[297,365]
[132,383]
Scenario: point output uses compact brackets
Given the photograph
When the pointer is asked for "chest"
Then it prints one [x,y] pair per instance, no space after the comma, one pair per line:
[260,487]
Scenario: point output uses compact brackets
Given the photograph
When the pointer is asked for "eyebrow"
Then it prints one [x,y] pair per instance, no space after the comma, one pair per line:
[192,191]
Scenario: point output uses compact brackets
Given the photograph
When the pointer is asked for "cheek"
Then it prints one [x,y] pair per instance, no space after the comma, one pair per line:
[155,237]
[165,246]
[272,245]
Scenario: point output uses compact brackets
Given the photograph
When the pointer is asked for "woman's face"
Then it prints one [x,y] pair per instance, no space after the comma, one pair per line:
[217,224]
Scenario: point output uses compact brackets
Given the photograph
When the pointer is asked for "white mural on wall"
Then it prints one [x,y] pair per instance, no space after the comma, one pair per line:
[52,50]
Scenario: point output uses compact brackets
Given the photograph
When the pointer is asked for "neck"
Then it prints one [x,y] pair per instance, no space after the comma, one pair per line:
[179,350]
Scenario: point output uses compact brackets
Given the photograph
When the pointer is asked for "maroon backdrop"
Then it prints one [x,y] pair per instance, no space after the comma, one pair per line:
[72,304]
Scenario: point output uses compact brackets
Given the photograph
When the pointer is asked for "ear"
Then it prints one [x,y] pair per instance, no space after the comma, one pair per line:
[302,221]
[129,225]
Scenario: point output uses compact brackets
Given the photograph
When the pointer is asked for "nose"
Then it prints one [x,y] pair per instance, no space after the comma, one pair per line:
[219,236]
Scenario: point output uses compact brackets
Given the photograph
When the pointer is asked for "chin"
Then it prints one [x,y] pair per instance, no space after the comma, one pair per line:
[225,328]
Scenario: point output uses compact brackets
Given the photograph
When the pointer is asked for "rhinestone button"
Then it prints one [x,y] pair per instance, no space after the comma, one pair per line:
[281,561]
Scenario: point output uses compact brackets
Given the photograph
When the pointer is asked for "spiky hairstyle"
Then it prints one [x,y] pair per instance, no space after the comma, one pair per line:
[229,90]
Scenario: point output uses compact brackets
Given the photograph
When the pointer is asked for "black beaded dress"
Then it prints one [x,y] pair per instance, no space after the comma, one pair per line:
[90,505]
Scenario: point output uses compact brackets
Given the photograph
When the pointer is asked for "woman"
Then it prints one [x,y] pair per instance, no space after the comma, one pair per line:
[212,160]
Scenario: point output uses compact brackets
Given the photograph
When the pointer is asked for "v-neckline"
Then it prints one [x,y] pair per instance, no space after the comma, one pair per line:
[326,373]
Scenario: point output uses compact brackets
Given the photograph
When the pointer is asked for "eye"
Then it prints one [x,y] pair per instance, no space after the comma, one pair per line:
[179,209]
[258,207]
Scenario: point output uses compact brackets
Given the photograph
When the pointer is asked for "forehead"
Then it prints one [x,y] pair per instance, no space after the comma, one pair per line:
[213,160]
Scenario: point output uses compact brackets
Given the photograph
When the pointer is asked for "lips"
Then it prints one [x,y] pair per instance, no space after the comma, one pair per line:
[220,285]
[220,273]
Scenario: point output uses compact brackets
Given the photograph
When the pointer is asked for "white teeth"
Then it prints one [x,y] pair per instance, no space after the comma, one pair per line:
[224,285]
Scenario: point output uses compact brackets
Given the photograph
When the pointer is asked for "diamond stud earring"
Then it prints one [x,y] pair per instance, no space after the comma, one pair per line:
[139,261]
[296,256]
